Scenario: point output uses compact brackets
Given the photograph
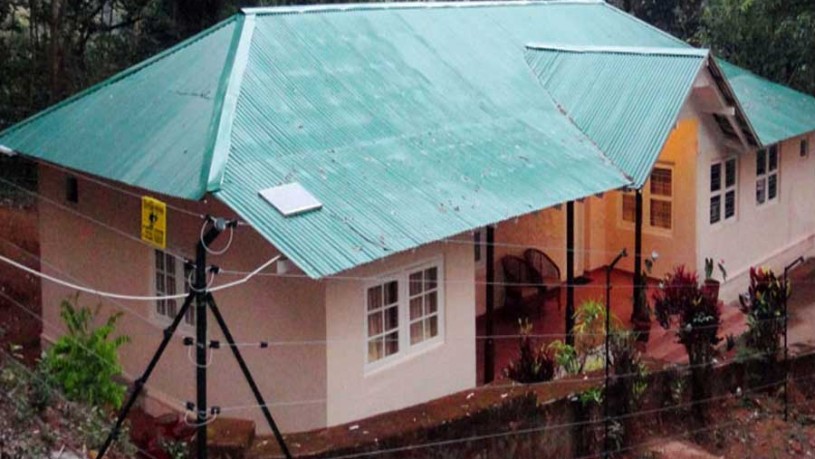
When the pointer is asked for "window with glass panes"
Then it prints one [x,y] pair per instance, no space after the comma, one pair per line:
[424,305]
[171,278]
[383,320]
[767,175]
[403,311]
[661,197]
[723,177]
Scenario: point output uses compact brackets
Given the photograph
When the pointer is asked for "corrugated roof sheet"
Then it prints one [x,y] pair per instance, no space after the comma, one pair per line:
[776,111]
[408,128]
[409,122]
[625,99]
[148,126]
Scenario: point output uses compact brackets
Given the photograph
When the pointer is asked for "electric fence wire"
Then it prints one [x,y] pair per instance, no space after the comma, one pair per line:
[90,219]
[235,408]
[680,369]
[58,329]
[565,381]
[448,240]
[266,344]
[110,186]
[346,277]
[533,430]
[260,343]
[120,296]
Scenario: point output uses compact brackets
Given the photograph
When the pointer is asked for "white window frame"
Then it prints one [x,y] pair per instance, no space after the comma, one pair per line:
[723,190]
[646,205]
[181,286]
[406,349]
[765,177]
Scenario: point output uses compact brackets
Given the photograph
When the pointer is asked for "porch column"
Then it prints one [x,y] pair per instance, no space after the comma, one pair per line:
[489,329]
[639,308]
[570,273]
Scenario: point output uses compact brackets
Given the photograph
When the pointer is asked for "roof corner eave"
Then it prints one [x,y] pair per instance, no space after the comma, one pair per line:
[229,89]
[713,64]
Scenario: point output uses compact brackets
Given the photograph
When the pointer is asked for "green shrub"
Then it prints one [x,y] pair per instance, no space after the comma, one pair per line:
[590,333]
[565,356]
[84,362]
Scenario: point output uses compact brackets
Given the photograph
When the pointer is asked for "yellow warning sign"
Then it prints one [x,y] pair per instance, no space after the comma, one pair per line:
[154,221]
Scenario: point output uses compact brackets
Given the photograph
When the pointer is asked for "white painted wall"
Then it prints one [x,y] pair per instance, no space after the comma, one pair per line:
[769,235]
[267,308]
[411,378]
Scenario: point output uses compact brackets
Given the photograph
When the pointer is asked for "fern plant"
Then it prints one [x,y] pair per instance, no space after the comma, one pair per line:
[85,361]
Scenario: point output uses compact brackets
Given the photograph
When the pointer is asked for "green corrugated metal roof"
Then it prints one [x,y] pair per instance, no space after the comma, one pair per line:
[148,126]
[407,127]
[625,99]
[776,111]
[410,122]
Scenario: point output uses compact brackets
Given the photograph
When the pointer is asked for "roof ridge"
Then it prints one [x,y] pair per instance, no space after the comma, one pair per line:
[121,75]
[388,5]
[564,112]
[653,51]
[223,115]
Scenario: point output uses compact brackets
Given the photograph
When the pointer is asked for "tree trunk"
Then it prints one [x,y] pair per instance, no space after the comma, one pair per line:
[54,54]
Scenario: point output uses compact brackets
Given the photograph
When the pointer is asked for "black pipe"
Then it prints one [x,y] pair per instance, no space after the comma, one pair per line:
[609,269]
[248,375]
[639,308]
[787,269]
[138,384]
[200,287]
[570,273]
[489,325]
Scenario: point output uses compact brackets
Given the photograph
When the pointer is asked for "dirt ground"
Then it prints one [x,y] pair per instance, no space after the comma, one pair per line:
[752,427]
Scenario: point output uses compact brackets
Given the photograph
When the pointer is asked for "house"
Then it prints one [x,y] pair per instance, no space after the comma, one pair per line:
[422,131]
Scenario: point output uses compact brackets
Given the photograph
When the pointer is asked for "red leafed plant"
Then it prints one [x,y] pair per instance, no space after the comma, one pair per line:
[680,302]
[764,305]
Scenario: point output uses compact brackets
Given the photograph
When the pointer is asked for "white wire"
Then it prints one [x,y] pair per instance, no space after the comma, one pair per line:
[208,421]
[119,296]
[192,361]
[247,277]
[80,288]
[220,251]
[191,285]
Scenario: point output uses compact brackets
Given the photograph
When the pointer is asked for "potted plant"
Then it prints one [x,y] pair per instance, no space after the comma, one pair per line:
[711,286]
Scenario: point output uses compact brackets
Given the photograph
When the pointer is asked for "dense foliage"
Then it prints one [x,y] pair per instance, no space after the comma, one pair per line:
[84,362]
[773,38]
[50,49]
[764,306]
[681,304]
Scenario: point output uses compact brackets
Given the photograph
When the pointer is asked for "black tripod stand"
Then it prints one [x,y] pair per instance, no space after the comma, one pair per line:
[203,299]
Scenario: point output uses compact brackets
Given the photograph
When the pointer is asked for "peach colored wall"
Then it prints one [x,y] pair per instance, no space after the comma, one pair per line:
[267,308]
[676,246]
[770,235]
[412,378]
